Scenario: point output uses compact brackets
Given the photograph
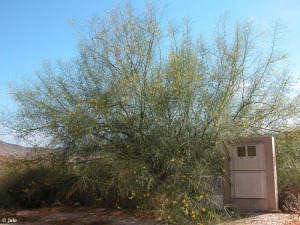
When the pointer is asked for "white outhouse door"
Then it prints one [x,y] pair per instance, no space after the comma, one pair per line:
[248,171]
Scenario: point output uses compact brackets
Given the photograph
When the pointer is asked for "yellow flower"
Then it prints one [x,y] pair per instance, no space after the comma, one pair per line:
[132,195]
[203,209]
[194,214]
[199,197]
[185,211]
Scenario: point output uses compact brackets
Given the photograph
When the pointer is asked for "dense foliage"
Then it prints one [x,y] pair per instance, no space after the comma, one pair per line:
[288,169]
[155,104]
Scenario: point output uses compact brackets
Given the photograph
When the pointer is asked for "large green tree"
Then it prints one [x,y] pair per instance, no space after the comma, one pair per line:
[151,91]
[137,77]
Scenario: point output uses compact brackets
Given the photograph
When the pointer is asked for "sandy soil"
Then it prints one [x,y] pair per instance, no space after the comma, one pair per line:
[96,216]
[85,216]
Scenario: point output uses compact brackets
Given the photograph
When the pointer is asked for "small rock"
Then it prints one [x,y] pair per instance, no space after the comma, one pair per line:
[56,203]
[77,204]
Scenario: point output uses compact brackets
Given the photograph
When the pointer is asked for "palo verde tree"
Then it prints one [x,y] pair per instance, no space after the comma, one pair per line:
[147,91]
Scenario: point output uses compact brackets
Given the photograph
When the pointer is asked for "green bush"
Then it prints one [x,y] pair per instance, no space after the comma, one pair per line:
[147,106]
[288,168]
[27,184]
[179,195]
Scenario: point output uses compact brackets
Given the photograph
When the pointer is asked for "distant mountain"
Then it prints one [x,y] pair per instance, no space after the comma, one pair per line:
[7,149]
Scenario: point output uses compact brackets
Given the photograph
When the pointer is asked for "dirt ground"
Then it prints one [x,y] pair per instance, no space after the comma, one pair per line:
[266,219]
[88,216]
[84,216]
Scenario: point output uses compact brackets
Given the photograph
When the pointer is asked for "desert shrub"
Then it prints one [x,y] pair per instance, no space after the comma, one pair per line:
[109,182]
[291,203]
[27,184]
[156,102]
[288,169]
[179,195]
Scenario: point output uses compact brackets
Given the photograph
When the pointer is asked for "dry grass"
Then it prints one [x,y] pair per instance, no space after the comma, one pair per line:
[291,203]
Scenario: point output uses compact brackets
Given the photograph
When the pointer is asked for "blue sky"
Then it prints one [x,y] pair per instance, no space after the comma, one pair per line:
[35,30]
